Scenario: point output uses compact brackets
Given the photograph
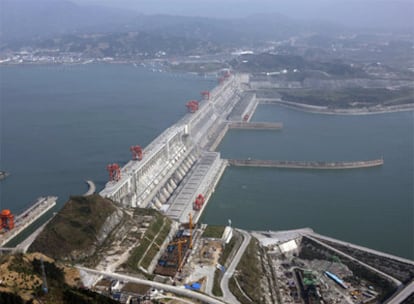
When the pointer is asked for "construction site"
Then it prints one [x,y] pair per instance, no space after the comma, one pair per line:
[311,268]
[177,251]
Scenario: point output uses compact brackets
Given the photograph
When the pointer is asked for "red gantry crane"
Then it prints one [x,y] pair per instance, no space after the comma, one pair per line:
[6,220]
[226,75]
[198,203]
[114,172]
[136,152]
[206,95]
[192,106]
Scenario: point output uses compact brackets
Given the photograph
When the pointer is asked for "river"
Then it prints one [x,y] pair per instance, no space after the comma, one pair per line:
[371,207]
[61,125]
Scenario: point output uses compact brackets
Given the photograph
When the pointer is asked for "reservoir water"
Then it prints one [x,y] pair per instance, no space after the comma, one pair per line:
[371,207]
[61,125]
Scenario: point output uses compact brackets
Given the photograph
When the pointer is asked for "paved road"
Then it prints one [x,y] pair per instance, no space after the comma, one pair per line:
[177,290]
[402,295]
[224,284]
[181,300]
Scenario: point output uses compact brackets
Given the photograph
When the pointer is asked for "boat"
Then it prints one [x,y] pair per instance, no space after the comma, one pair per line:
[3,174]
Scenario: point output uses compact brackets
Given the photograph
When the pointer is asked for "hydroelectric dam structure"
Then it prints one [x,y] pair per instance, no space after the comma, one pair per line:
[181,164]
[181,153]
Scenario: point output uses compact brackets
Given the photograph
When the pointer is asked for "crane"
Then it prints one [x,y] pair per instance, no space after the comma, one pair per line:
[192,106]
[198,203]
[190,222]
[179,243]
[114,172]
[206,95]
[136,152]
[6,220]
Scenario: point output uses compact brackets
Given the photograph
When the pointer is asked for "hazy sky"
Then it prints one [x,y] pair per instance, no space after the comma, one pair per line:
[239,7]
[342,11]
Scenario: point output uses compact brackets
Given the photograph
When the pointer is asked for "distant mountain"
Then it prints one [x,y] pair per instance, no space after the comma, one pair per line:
[249,30]
[23,19]
[27,19]
[384,14]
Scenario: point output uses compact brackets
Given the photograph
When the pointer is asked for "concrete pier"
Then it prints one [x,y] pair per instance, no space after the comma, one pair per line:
[305,164]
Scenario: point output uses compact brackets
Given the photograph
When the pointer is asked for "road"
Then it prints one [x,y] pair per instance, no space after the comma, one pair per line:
[224,284]
[176,290]
[402,295]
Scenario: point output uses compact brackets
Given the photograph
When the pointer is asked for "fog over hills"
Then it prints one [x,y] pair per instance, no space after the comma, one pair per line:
[22,19]
[353,13]
[27,20]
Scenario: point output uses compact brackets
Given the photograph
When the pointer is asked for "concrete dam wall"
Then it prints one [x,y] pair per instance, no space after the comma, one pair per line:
[170,157]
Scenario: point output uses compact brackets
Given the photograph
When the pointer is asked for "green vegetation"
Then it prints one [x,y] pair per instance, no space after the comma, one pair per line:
[157,243]
[216,283]
[213,232]
[350,97]
[75,227]
[158,230]
[228,248]
[223,260]
[249,275]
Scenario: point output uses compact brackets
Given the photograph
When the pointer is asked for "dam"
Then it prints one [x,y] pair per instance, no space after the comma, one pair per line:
[181,153]
[181,163]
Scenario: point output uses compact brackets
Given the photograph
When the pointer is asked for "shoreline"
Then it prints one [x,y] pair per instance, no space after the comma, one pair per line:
[340,111]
